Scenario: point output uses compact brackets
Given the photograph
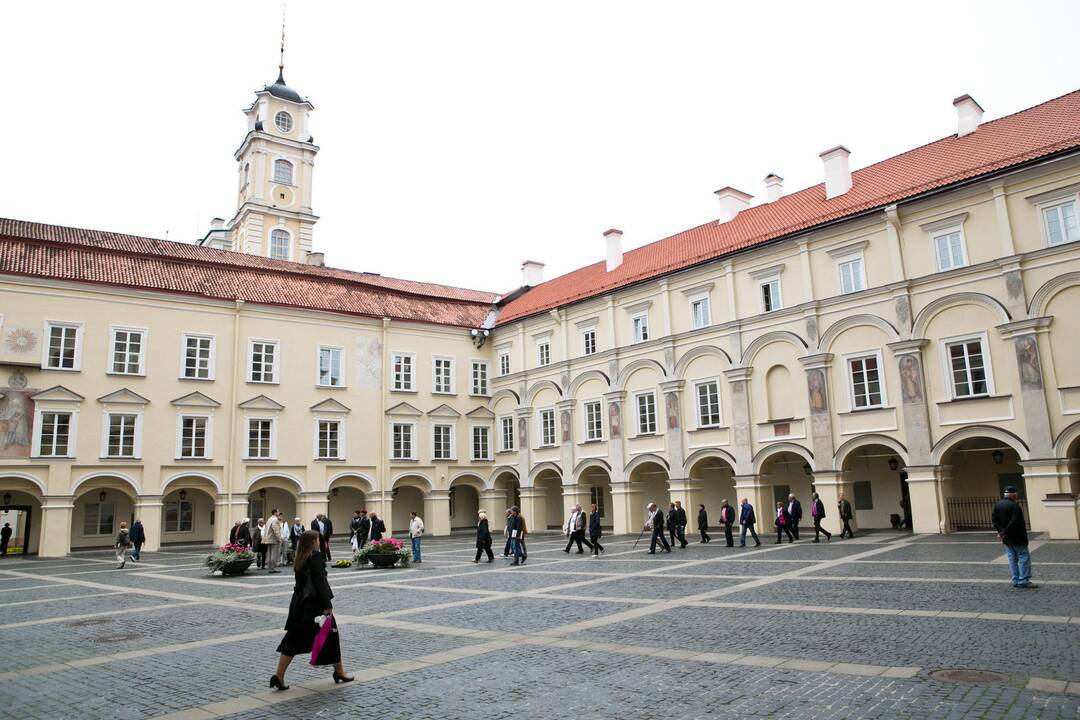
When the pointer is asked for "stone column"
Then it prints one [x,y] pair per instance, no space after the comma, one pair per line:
[1043,478]
[928,490]
[672,391]
[828,485]
[382,504]
[223,520]
[820,425]
[311,503]
[56,514]
[575,494]
[436,513]
[739,381]
[1062,515]
[914,413]
[534,509]
[1025,336]
[627,508]
[494,504]
[691,493]
[760,495]
[149,509]
[613,402]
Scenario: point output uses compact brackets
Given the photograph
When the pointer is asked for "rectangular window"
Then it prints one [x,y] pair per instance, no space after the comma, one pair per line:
[198,357]
[443,375]
[865,382]
[1061,225]
[479,378]
[596,497]
[770,295]
[547,427]
[121,439]
[699,313]
[402,441]
[543,353]
[63,348]
[442,447]
[403,371]
[330,367]
[481,442]
[640,325]
[127,352]
[968,368]
[949,249]
[55,434]
[329,442]
[506,433]
[179,516]
[708,403]
[851,276]
[260,438]
[588,340]
[193,436]
[864,496]
[594,421]
[263,358]
[98,518]
[646,413]
[504,363]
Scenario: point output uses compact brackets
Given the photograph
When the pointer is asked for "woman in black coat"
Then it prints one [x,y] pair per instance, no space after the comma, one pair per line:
[783,523]
[378,527]
[483,539]
[311,597]
[703,523]
[594,530]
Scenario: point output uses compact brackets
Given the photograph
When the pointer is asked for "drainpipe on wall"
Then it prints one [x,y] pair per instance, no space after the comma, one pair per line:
[228,467]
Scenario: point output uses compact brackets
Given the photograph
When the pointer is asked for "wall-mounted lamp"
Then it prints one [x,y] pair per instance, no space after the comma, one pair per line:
[479,335]
[807,469]
[893,464]
[999,457]
[262,492]
[101,496]
[334,492]
[7,499]
[183,494]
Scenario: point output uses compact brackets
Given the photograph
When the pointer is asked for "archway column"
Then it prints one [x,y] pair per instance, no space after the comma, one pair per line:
[56,517]
[691,493]
[820,425]
[311,503]
[928,492]
[1025,337]
[149,509]
[534,508]
[494,503]
[672,391]
[759,491]
[627,507]
[575,495]
[223,519]
[436,513]
[828,484]
[914,412]
[1045,478]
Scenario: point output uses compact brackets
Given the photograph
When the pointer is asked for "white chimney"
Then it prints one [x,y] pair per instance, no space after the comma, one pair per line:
[968,115]
[837,174]
[532,273]
[217,224]
[774,187]
[613,240]
[317,259]
[732,201]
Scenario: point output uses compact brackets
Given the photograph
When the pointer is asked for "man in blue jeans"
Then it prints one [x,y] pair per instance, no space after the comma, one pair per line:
[1008,519]
[416,531]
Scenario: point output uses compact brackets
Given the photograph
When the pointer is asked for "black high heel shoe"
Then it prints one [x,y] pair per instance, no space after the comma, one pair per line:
[276,683]
[342,678]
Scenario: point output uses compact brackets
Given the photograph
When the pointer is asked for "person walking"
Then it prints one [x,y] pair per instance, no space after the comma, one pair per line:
[322,525]
[311,599]
[295,532]
[905,507]
[378,527]
[575,530]
[655,522]
[843,507]
[243,533]
[703,523]
[138,537]
[257,543]
[794,509]
[1008,520]
[594,530]
[517,535]
[416,531]
[123,542]
[747,519]
[672,523]
[727,519]
[506,534]
[5,539]
[680,523]
[783,523]
[483,538]
[817,512]
[271,539]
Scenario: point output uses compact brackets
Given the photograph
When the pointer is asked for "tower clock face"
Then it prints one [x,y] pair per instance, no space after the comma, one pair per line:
[283,121]
[283,196]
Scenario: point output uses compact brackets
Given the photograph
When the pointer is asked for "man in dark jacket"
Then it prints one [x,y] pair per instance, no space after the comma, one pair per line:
[817,511]
[515,525]
[727,519]
[354,525]
[794,509]
[243,535]
[846,515]
[594,530]
[680,523]
[703,523]
[322,525]
[5,538]
[672,523]
[655,521]
[746,523]
[1008,519]
[138,537]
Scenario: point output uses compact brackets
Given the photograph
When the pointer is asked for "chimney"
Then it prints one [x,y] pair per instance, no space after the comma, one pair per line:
[731,202]
[968,115]
[317,259]
[217,224]
[774,187]
[532,273]
[613,240]
[837,174]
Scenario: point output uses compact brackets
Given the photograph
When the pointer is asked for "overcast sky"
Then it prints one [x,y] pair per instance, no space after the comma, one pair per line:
[460,138]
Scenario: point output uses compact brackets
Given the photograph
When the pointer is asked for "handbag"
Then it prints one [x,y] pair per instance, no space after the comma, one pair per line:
[321,638]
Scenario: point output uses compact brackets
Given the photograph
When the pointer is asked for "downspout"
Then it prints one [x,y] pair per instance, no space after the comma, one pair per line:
[237,365]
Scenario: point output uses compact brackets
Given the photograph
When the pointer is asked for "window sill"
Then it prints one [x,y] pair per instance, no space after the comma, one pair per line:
[549,446]
[767,423]
[67,370]
[192,459]
[509,451]
[125,458]
[973,398]
[481,460]
[444,393]
[331,387]
[442,460]
[263,382]
[50,458]
[332,460]
[704,428]
[260,460]
[124,374]
[859,411]
[479,395]
[403,460]
[595,441]
[647,434]
[197,379]
[395,390]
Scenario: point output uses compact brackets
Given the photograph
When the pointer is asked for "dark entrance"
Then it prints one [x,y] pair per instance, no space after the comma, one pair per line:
[25,519]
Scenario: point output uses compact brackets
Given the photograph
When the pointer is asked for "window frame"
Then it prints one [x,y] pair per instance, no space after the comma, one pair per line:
[542,415]
[946,364]
[179,514]
[543,351]
[110,360]
[211,359]
[273,449]
[136,434]
[596,497]
[275,365]
[703,300]
[651,426]
[278,124]
[39,426]
[339,439]
[483,389]
[504,363]
[587,434]
[502,424]
[394,456]
[341,366]
[639,327]
[76,359]
[473,444]
[97,525]
[292,171]
[1057,202]
[943,232]
[848,259]
[587,334]
[451,388]
[697,403]
[451,451]
[208,439]
[850,358]
[395,357]
[279,232]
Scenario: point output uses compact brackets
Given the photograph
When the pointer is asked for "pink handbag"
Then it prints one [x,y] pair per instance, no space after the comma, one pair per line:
[320,638]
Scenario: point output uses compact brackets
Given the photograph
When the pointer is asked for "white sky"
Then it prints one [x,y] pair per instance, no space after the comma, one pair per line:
[459,139]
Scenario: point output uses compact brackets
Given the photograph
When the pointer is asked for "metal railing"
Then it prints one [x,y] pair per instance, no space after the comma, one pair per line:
[973,513]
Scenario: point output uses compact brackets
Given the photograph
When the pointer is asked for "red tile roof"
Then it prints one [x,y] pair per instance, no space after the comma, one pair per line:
[93,256]
[1037,132]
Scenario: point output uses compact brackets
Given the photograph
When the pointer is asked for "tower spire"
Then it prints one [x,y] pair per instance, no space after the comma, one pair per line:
[281,55]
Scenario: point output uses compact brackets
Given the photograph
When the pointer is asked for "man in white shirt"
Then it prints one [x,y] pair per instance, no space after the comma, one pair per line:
[416,530]
[655,522]
[575,530]
[271,537]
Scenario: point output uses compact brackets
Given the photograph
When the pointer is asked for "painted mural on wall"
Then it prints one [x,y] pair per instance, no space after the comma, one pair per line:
[815,384]
[16,417]
[910,380]
[614,423]
[1027,358]
[368,363]
[671,401]
[564,421]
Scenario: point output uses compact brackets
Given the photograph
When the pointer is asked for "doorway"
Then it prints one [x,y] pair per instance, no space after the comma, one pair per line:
[20,519]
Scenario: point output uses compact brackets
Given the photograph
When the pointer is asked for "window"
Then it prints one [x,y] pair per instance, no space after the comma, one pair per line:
[596,497]
[547,427]
[283,172]
[179,516]
[640,325]
[403,371]
[120,440]
[543,353]
[770,295]
[864,495]
[442,375]
[263,355]
[968,368]
[63,351]
[283,120]
[127,352]
[588,341]
[1061,226]
[479,377]
[401,441]
[260,439]
[198,359]
[852,278]
[866,391]
[594,421]
[98,518]
[55,434]
[646,413]
[506,433]
[949,250]
[330,367]
[280,244]
[193,436]
[699,313]
[504,363]
[328,440]
[708,403]
[442,444]
[481,442]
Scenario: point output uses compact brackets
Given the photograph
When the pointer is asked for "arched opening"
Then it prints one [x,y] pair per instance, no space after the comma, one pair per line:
[878,486]
[20,510]
[187,513]
[408,497]
[788,473]
[596,481]
[779,393]
[273,493]
[652,479]
[347,495]
[508,484]
[549,482]
[101,505]
[717,484]
[464,502]
[979,469]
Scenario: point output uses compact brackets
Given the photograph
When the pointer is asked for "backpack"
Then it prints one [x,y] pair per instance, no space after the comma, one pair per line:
[123,538]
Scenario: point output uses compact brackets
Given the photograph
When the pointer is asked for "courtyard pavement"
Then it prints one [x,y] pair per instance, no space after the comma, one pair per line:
[847,629]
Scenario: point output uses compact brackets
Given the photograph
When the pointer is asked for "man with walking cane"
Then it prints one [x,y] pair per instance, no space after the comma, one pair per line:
[656,522]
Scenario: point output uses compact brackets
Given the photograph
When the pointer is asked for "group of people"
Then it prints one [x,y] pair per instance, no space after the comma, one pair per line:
[273,541]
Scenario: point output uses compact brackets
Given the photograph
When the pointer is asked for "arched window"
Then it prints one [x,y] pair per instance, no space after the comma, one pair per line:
[283,172]
[279,244]
[283,120]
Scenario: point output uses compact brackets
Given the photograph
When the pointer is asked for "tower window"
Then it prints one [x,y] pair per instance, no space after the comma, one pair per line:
[283,172]
[279,244]
[283,120]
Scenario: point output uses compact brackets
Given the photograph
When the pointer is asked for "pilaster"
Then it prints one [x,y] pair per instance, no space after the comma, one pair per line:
[817,388]
[672,391]
[56,514]
[913,407]
[534,508]
[627,507]
[436,513]
[1025,337]
[149,509]
[828,485]
[738,380]
[691,493]
[928,493]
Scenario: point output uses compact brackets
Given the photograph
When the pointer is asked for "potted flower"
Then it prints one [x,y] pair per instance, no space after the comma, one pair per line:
[230,559]
[383,553]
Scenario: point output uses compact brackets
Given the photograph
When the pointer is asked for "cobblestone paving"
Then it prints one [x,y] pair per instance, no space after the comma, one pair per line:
[829,630]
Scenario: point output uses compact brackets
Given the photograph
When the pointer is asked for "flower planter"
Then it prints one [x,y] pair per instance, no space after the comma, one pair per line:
[383,561]
[236,567]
